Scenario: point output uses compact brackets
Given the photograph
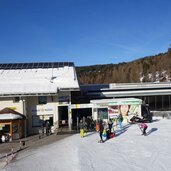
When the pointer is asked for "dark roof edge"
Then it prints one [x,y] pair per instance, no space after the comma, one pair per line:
[8,66]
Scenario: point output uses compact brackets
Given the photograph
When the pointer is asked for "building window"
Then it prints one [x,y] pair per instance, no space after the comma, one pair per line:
[36,121]
[40,120]
[16,99]
[42,99]
[166,102]
[102,113]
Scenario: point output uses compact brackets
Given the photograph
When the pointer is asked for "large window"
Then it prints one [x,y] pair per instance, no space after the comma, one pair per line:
[102,113]
[16,99]
[159,102]
[166,102]
[152,102]
[159,105]
[39,120]
[42,99]
[36,121]
[5,128]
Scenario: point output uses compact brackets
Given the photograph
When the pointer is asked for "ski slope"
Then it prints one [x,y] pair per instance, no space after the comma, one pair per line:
[129,151]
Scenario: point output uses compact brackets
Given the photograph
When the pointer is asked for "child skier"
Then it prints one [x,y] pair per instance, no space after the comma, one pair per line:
[143,128]
[81,129]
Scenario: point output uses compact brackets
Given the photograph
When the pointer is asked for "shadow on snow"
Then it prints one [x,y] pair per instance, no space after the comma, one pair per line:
[151,131]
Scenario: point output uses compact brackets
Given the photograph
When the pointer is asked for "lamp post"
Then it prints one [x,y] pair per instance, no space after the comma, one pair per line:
[24,112]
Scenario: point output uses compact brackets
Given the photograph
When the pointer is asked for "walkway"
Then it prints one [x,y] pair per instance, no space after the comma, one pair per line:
[9,150]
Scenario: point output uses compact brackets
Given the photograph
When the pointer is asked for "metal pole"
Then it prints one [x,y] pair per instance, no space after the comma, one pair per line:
[77,123]
[25,125]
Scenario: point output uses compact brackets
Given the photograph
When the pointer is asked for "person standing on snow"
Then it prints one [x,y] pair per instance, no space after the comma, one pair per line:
[101,128]
[120,119]
[47,125]
[81,125]
[143,128]
[110,123]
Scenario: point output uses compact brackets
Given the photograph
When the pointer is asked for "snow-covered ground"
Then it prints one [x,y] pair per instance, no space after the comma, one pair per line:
[129,151]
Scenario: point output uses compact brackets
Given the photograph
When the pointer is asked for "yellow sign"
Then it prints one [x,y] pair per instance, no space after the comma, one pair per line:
[13,108]
[77,106]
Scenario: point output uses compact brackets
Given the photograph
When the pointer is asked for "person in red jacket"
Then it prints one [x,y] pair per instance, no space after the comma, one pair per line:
[143,128]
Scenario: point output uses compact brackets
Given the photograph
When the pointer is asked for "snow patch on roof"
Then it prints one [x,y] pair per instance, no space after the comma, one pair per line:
[46,80]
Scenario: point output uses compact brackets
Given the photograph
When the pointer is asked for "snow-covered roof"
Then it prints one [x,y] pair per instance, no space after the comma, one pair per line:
[10,116]
[43,79]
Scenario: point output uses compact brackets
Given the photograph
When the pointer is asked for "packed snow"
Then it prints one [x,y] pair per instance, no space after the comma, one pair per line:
[37,80]
[128,151]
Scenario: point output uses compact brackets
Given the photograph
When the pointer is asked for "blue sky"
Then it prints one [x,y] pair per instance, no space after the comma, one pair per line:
[86,32]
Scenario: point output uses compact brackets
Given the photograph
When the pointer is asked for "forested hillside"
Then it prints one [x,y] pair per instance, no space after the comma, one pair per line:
[147,69]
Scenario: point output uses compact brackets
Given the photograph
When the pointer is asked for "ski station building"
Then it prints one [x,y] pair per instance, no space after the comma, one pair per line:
[39,91]
[50,91]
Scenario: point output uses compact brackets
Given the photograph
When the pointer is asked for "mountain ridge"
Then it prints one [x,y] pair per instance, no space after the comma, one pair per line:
[155,68]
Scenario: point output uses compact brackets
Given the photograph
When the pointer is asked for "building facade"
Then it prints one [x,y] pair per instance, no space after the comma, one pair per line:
[157,95]
[51,92]
[39,91]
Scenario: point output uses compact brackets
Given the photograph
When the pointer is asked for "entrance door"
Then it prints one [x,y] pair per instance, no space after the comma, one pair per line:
[63,115]
[5,132]
[80,113]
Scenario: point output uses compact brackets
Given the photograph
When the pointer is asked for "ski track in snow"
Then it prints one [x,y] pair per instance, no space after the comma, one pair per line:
[128,151]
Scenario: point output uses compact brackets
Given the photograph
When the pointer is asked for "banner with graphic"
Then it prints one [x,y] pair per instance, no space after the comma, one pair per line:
[43,110]
[125,110]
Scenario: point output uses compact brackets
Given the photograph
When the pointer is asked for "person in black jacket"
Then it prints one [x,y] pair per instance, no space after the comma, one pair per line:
[101,128]
[47,125]
[110,123]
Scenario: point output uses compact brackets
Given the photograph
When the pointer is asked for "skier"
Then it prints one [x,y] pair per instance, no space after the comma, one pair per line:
[81,125]
[143,128]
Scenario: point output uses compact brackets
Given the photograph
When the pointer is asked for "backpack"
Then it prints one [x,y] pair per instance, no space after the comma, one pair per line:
[104,133]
